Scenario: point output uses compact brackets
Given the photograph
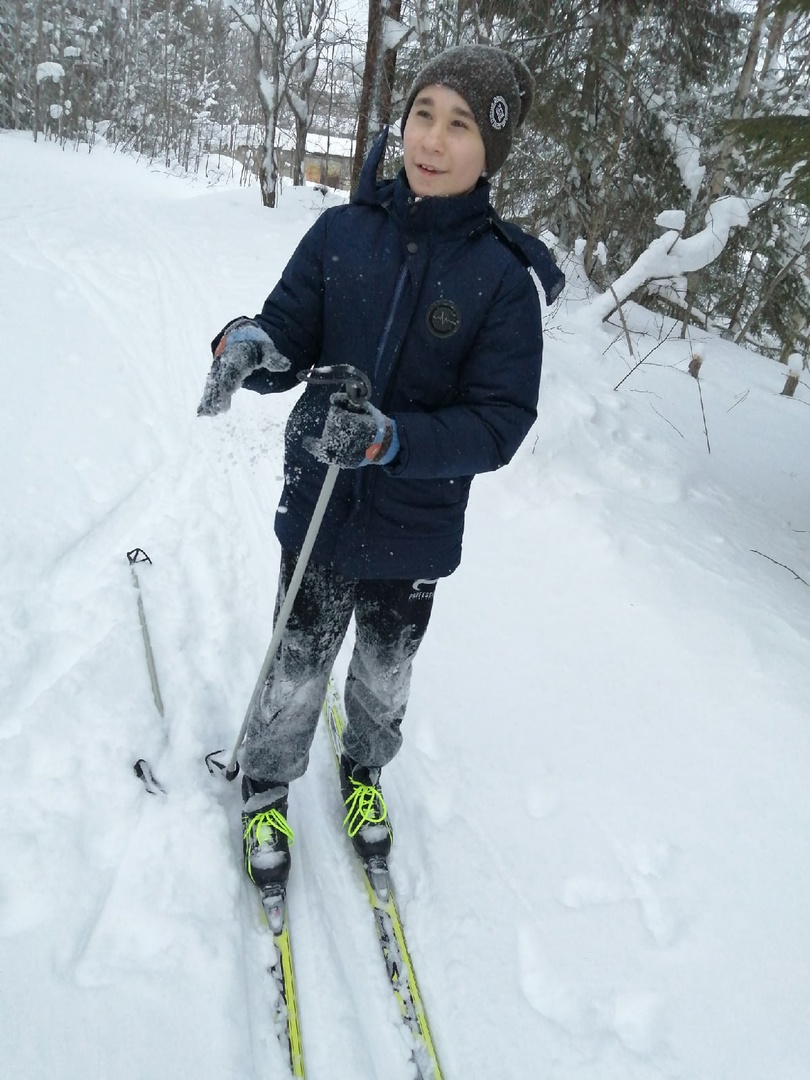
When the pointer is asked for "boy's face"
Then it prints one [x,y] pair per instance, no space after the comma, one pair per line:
[444,151]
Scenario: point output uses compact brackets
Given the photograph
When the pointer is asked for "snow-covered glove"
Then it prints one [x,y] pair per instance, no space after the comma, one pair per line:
[354,435]
[240,348]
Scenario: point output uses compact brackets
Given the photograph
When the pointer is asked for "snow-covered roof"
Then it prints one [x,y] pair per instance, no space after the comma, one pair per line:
[335,145]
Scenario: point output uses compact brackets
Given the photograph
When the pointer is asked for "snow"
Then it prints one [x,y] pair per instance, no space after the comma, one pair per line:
[268,90]
[249,21]
[317,143]
[671,219]
[601,805]
[685,145]
[49,70]
[395,33]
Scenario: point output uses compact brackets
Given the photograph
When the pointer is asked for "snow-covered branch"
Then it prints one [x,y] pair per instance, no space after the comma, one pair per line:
[672,256]
[685,145]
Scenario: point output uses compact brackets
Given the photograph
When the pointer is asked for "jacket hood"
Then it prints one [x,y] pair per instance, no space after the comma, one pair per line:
[368,189]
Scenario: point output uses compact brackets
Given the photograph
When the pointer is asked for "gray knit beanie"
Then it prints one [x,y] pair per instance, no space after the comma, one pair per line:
[498,87]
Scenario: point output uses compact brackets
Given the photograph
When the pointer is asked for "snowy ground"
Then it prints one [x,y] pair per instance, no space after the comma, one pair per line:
[601,806]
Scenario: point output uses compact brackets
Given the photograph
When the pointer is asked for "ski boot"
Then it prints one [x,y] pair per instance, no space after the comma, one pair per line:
[266,839]
[367,821]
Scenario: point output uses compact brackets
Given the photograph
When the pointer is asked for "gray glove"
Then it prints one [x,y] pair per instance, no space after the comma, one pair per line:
[240,348]
[355,435]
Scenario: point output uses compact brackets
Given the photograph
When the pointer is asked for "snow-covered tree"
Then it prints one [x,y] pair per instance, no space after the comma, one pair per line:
[265,22]
[631,118]
[386,35]
[759,289]
[309,35]
[19,23]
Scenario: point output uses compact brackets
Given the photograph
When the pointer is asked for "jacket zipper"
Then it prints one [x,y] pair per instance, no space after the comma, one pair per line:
[360,481]
[398,289]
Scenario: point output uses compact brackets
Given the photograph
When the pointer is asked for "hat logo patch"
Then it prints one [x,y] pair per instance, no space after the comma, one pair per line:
[443,318]
[498,113]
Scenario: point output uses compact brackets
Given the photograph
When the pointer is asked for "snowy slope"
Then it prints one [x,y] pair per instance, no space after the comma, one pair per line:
[601,806]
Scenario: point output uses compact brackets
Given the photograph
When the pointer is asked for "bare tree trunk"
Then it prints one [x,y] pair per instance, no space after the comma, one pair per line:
[599,209]
[378,81]
[766,294]
[166,95]
[299,150]
[798,324]
[269,98]
[775,37]
[301,70]
[689,300]
[741,96]
[424,27]
[37,85]
[742,93]
[268,49]
[371,75]
[389,72]
[742,292]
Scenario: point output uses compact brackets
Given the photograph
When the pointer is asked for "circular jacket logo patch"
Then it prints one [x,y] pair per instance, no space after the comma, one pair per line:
[498,113]
[443,318]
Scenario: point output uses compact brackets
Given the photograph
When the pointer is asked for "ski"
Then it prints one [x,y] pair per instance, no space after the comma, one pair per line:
[390,932]
[285,1013]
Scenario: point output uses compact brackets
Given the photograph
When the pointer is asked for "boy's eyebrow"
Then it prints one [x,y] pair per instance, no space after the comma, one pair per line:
[426,99]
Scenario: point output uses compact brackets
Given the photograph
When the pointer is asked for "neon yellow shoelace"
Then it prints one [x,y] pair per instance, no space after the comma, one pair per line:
[262,826]
[365,806]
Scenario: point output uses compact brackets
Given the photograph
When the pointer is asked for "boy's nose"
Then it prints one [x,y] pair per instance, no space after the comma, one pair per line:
[434,138]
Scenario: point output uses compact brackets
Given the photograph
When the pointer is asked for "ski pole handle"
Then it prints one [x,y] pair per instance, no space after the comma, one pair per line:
[356,384]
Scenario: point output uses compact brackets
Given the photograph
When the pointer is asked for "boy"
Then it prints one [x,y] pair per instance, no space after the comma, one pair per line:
[420,285]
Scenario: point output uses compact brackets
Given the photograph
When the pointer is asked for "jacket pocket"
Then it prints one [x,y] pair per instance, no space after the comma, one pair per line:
[427,507]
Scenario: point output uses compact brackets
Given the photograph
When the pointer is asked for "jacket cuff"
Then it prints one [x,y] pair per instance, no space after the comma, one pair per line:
[393,446]
[240,320]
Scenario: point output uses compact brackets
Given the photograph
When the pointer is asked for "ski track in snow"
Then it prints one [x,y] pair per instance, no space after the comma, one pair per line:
[600,809]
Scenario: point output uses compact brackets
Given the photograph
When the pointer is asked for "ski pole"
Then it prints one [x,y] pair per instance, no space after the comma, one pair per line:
[137,555]
[141,767]
[358,389]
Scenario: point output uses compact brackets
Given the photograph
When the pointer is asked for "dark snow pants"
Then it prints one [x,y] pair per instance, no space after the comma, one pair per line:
[391,618]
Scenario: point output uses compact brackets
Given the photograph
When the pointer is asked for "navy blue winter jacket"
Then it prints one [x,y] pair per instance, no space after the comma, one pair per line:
[434,300]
